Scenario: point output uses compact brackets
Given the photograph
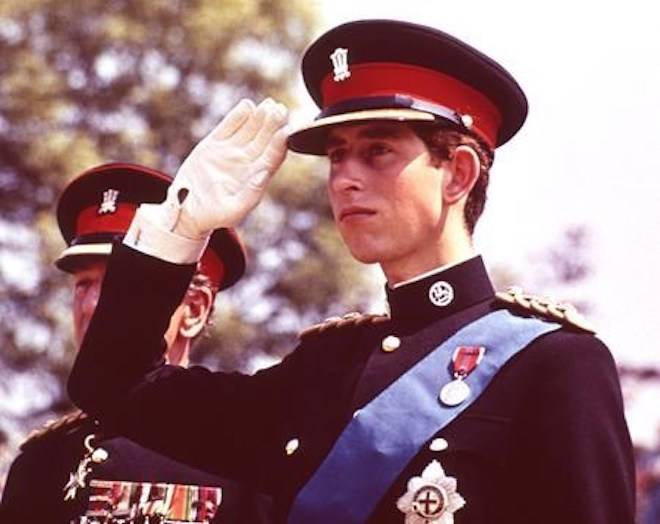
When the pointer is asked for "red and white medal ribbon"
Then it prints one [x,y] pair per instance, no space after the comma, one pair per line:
[464,361]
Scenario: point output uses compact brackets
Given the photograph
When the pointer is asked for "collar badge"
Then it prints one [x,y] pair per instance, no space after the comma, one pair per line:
[109,202]
[431,498]
[339,59]
[441,293]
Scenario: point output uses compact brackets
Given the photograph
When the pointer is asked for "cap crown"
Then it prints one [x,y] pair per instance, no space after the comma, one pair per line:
[371,65]
[98,206]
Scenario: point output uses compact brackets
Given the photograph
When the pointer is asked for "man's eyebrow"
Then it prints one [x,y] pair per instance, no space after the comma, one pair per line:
[381,131]
[375,131]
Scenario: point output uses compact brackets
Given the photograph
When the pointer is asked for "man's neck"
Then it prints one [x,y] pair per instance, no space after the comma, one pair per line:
[178,354]
[446,255]
[433,271]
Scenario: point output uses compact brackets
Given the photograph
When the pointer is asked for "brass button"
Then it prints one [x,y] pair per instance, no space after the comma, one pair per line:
[390,343]
[438,444]
[292,446]
[99,455]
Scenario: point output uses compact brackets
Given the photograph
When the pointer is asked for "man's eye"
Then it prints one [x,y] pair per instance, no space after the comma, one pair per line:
[81,285]
[377,149]
[336,155]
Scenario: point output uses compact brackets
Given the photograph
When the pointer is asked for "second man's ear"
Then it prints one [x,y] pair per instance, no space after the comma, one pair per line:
[197,308]
[464,170]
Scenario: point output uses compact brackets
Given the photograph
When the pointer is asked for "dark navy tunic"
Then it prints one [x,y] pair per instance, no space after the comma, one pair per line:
[35,492]
[545,443]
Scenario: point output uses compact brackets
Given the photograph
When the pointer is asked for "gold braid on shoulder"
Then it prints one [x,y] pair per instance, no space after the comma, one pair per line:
[347,320]
[59,426]
[562,312]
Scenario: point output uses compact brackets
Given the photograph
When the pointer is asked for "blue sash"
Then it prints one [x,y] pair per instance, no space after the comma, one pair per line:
[388,432]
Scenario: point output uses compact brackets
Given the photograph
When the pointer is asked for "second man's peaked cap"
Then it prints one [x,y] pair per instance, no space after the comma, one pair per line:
[393,70]
[98,206]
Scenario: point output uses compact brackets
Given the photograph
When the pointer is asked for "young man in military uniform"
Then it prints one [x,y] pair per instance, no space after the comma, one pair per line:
[75,470]
[462,405]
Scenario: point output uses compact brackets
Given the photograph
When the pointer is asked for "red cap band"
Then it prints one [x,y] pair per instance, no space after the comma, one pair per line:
[211,265]
[90,221]
[388,79]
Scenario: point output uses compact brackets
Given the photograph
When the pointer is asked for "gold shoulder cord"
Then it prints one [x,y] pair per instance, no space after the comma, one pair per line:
[349,319]
[55,426]
[562,312]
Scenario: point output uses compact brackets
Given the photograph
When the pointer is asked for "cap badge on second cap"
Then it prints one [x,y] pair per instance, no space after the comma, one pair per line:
[441,293]
[109,202]
[339,59]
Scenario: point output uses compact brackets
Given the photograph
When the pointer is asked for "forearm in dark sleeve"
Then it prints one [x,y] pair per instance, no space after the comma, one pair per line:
[221,422]
[124,341]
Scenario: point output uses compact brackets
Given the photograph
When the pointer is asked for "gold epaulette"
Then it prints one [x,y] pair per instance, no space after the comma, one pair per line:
[60,425]
[544,307]
[349,319]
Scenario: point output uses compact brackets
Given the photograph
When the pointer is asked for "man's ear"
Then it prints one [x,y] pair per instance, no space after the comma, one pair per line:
[464,169]
[197,308]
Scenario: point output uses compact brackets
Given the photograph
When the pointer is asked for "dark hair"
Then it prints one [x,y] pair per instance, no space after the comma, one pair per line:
[441,142]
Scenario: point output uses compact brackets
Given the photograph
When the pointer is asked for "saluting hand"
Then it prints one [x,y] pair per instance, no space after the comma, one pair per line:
[226,174]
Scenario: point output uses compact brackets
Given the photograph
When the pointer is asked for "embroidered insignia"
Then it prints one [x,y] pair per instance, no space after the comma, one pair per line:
[109,203]
[78,479]
[431,498]
[441,293]
[339,60]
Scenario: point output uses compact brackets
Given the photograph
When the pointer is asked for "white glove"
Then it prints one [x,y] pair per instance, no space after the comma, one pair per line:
[226,174]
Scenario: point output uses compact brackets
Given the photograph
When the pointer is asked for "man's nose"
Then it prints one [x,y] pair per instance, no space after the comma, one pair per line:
[347,176]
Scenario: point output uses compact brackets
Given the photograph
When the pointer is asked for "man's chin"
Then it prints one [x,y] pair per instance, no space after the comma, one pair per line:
[364,255]
[363,247]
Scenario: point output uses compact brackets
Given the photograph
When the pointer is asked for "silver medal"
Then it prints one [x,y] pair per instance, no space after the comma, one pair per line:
[455,392]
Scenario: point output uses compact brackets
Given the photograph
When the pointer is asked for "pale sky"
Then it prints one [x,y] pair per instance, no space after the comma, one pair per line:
[588,153]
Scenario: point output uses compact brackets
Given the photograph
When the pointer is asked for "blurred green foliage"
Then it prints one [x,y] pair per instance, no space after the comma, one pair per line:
[90,81]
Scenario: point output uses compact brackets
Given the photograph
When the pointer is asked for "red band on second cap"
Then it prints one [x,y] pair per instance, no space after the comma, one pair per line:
[388,79]
[90,221]
[211,265]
